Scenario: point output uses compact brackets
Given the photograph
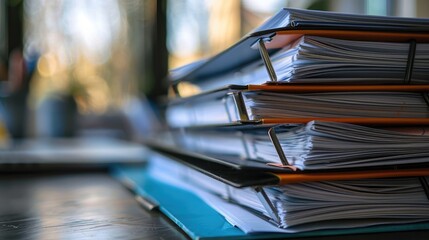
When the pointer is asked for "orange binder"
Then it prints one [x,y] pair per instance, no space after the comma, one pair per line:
[282,38]
[296,177]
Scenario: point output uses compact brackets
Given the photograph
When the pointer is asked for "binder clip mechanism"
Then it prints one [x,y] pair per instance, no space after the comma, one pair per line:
[275,141]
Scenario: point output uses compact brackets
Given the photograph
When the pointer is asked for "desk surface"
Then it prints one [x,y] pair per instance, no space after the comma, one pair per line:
[76,206]
[94,206]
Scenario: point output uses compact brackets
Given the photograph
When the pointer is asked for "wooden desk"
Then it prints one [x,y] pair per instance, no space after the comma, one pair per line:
[76,206]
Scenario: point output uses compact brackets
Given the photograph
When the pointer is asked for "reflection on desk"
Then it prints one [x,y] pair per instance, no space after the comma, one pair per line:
[76,206]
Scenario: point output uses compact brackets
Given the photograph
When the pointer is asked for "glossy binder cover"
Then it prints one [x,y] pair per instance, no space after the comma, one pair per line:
[233,173]
[201,221]
[239,176]
[222,62]
[233,162]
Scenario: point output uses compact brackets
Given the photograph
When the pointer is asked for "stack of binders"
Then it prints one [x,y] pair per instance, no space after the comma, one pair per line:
[316,123]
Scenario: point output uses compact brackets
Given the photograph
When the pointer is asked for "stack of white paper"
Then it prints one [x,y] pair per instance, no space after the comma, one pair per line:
[333,145]
[313,59]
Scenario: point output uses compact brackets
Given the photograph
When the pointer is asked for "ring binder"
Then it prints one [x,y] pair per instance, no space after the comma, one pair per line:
[266,200]
[282,30]
[341,108]
[238,106]
[273,76]
[270,146]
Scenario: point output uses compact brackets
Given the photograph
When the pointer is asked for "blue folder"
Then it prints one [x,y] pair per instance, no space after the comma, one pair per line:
[189,212]
[200,221]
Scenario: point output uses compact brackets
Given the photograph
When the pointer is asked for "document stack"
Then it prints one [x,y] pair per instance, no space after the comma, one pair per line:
[316,123]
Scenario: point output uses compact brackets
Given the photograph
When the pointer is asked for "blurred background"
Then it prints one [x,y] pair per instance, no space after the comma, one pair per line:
[77,67]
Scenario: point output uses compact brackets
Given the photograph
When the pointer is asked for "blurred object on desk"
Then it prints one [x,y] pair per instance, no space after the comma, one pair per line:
[56,116]
[69,153]
[143,119]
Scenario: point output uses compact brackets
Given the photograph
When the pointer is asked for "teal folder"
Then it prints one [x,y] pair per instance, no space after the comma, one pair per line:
[200,221]
[189,212]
